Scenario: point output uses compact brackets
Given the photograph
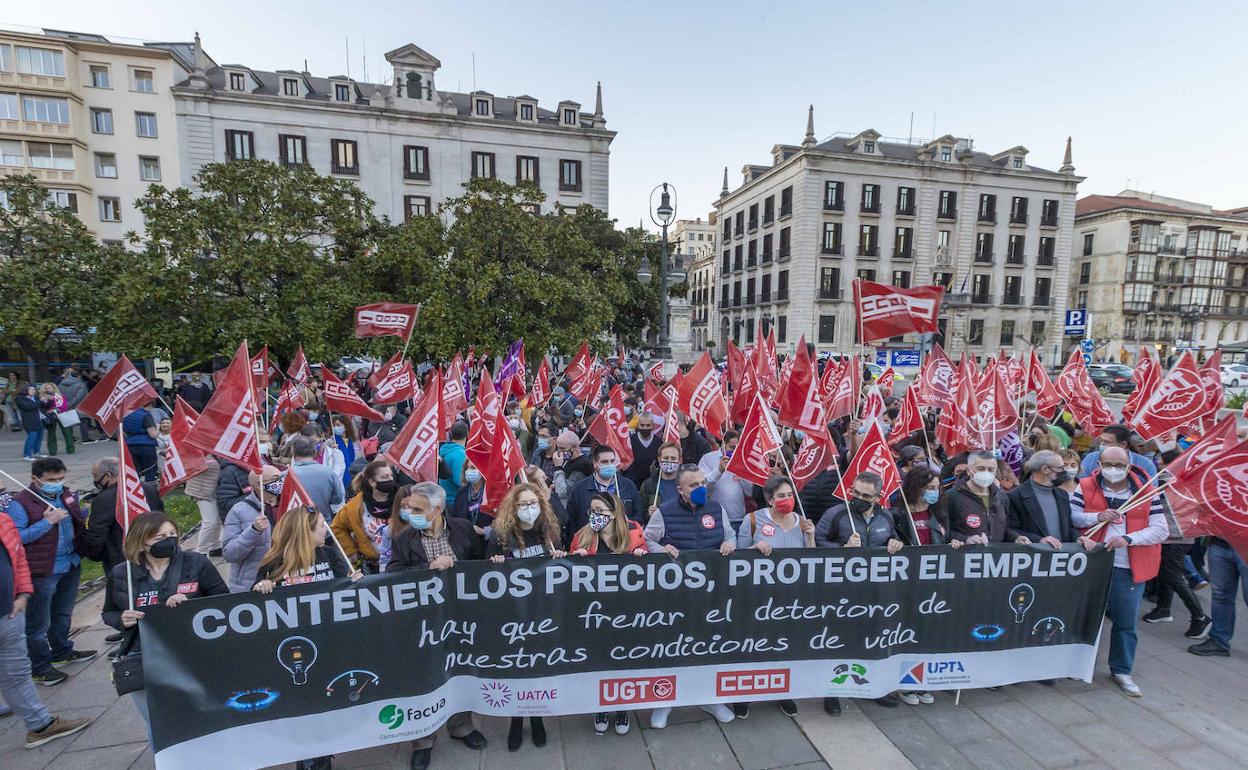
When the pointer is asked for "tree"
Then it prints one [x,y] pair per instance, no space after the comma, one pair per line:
[49,275]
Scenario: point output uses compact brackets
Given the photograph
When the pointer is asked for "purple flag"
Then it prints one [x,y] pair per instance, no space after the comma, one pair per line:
[1011,451]
[511,364]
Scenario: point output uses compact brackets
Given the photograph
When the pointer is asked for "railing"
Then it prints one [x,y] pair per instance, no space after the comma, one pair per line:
[906,212]
[988,216]
[1041,301]
[1046,261]
[1015,259]
[903,253]
[834,205]
[1018,220]
[1048,222]
[1143,276]
[984,258]
[981,299]
[1012,299]
[872,209]
[1137,307]
[834,250]
[868,251]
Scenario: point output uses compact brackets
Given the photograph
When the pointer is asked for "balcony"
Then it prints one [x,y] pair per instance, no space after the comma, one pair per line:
[958,299]
[869,208]
[981,299]
[988,217]
[1017,260]
[1044,301]
[829,294]
[1046,260]
[1137,307]
[1012,299]
[753,225]
[835,250]
[947,214]
[984,258]
[836,205]
[1048,222]
[1140,276]
[786,211]
[1018,219]
[903,253]
[1165,248]
[908,211]
[868,251]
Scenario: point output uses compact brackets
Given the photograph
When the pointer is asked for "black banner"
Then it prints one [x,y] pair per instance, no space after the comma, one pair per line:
[251,680]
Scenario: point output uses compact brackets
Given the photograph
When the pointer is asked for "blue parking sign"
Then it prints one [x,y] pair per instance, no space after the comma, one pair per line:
[881,358]
[1076,322]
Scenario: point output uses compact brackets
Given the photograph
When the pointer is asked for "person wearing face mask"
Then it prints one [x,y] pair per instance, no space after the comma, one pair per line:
[348,444]
[102,537]
[195,391]
[1070,460]
[328,454]
[468,501]
[726,489]
[360,524]
[520,428]
[975,506]
[1119,436]
[50,524]
[604,478]
[158,573]
[451,457]
[920,486]
[434,541]
[861,522]
[1039,508]
[645,447]
[1135,538]
[661,486]
[26,402]
[322,484]
[248,531]
[690,522]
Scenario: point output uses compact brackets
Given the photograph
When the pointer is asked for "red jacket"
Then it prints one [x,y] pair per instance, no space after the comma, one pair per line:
[1145,559]
[12,542]
[636,539]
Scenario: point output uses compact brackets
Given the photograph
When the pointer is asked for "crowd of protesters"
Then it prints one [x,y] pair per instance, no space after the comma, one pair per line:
[576,502]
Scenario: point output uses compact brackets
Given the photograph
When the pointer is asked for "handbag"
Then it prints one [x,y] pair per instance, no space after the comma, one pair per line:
[68,419]
[128,665]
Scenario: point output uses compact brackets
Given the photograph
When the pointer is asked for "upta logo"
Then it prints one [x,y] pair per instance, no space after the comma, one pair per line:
[618,692]
[391,716]
[769,681]
[934,672]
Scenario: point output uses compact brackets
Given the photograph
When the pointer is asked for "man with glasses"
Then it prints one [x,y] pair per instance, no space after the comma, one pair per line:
[1039,509]
[1119,436]
[607,480]
[1135,537]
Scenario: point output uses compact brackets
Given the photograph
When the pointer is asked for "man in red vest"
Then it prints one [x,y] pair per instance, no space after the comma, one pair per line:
[1135,537]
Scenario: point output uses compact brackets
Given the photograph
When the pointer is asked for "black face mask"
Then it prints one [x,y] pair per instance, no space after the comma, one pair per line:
[164,548]
[644,432]
[386,487]
[859,507]
[1061,478]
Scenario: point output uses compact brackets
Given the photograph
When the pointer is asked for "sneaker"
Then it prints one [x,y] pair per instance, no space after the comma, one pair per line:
[29,459]
[741,710]
[50,678]
[788,708]
[1199,628]
[1158,615]
[1128,685]
[721,712]
[59,727]
[658,718]
[5,711]
[926,698]
[832,706]
[1209,647]
[909,698]
[421,759]
[1200,585]
[621,723]
[601,723]
[76,656]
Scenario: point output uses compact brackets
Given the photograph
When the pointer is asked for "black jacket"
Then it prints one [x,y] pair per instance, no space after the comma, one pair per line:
[819,494]
[835,528]
[967,516]
[101,539]
[232,485]
[936,526]
[189,573]
[644,458]
[32,416]
[1027,518]
[692,447]
[195,395]
[409,549]
[462,507]
[580,493]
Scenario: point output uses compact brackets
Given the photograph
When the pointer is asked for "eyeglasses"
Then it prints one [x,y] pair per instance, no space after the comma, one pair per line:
[1116,466]
[600,511]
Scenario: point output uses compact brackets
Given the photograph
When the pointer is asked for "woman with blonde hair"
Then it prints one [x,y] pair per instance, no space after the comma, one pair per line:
[298,553]
[53,403]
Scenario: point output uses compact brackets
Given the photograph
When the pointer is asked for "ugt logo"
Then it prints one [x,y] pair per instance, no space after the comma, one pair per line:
[391,716]
[847,671]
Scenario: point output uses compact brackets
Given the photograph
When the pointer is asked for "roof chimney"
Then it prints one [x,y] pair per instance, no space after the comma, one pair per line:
[599,121]
[724,191]
[199,77]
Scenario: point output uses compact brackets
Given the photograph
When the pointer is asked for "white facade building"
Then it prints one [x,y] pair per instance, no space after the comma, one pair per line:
[993,228]
[692,242]
[407,144]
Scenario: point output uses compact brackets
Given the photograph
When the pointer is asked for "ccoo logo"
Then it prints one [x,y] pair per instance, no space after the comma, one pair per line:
[391,716]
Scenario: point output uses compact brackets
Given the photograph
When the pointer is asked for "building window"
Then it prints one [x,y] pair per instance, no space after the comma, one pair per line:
[1042,291]
[784,243]
[59,157]
[866,274]
[767,254]
[40,61]
[238,81]
[110,209]
[1081,300]
[749,333]
[975,332]
[901,278]
[569,176]
[526,112]
[11,153]
[290,87]
[723,296]
[483,165]
[782,328]
[1087,244]
[41,109]
[786,202]
[727,228]
[987,208]
[239,145]
[101,121]
[8,107]
[983,247]
[1018,161]
[782,286]
[948,205]
[868,147]
[145,124]
[833,196]
[1018,211]
[751,257]
[766,290]
[871,198]
[343,157]
[942,240]
[981,288]
[737,262]
[1007,333]
[1085,273]
[1016,247]
[1013,290]
[416,162]
[868,241]
[749,291]
[100,77]
[1048,213]
[827,329]
[754,217]
[527,169]
[569,117]
[1037,332]
[832,238]
[726,265]
[63,198]
[415,206]
[144,82]
[482,106]
[292,149]
[1046,250]
[740,224]
[106,165]
[342,92]
[769,209]
[905,201]
[946,154]
[903,243]
[149,168]
[830,283]
[736,294]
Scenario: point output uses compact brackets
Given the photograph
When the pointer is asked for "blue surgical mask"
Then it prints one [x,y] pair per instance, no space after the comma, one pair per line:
[417,521]
[313,415]
[339,430]
[543,444]
[578,411]
[628,410]
[52,490]
[698,496]
[799,435]
[607,471]
[472,475]
[930,496]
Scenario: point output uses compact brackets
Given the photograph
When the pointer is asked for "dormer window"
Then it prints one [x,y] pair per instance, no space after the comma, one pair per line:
[868,147]
[342,92]
[946,154]
[569,117]
[1017,161]
[526,112]
[238,81]
[482,107]
[290,87]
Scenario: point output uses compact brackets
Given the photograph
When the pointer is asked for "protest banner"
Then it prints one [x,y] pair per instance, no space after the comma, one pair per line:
[251,680]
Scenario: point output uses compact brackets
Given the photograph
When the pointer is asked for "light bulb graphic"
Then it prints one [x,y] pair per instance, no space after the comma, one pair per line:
[1021,598]
[297,654]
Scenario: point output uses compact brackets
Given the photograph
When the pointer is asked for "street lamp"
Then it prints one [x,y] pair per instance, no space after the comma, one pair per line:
[662,215]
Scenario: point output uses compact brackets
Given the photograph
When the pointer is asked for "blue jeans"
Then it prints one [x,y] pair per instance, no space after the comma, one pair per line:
[15,685]
[1227,573]
[34,440]
[49,615]
[1124,608]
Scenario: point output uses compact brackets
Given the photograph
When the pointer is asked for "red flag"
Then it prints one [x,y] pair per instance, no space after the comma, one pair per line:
[294,495]
[701,396]
[587,388]
[1211,497]
[874,456]
[117,394]
[610,429]
[759,438]
[389,369]
[872,406]
[958,429]
[504,463]
[736,369]
[415,449]
[813,457]
[481,433]
[1211,377]
[909,420]
[299,370]
[937,380]
[1081,395]
[227,426]
[541,384]
[454,399]
[998,413]
[341,398]
[888,311]
[655,373]
[1147,377]
[1015,376]
[749,387]
[842,398]
[765,362]
[1047,397]
[131,499]
[260,371]
[884,383]
[579,364]
[397,386]
[1208,447]
[671,420]
[385,318]
[1179,399]
[290,399]
[182,461]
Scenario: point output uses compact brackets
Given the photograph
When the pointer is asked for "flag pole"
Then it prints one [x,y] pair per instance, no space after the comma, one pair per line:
[125,515]
[840,483]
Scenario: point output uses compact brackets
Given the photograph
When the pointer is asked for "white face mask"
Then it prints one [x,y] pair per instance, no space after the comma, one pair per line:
[1114,475]
[528,513]
[984,479]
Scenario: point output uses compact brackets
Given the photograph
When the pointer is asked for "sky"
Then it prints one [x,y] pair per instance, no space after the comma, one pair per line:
[1151,92]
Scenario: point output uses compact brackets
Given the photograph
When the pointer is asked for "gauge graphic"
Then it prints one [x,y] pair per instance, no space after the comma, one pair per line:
[352,682]
[1048,628]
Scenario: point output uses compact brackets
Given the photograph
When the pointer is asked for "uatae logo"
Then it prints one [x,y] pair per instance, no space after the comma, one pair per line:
[934,672]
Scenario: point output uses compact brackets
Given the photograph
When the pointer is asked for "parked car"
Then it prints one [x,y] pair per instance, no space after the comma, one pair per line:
[1112,378]
[1234,375]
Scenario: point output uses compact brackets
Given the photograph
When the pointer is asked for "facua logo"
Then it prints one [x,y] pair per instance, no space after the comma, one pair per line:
[391,716]
[768,681]
[651,689]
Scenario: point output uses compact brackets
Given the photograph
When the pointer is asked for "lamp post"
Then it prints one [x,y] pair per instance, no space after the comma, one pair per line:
[662,215]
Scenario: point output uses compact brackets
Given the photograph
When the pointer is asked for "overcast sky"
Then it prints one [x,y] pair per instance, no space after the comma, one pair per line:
[1152,92]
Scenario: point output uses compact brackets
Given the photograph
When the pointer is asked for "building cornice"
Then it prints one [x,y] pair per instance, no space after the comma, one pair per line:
[1134,213]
